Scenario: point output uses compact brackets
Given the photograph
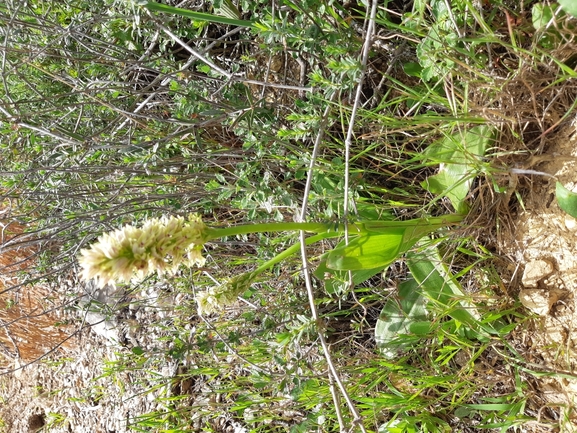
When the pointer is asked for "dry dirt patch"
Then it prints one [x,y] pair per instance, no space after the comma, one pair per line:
[544,249]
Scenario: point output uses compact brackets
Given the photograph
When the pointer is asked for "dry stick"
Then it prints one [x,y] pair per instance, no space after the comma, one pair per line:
[364,60]
[306,274]
[348,140]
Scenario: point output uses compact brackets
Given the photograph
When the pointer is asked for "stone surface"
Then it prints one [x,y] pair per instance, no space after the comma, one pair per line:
[540,301]
[535,271]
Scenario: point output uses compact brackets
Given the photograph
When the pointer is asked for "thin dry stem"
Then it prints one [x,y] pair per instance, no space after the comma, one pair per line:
[306,274]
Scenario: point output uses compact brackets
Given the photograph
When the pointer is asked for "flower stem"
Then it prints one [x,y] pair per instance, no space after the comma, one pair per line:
[214,233]
[332,229]
[292,250]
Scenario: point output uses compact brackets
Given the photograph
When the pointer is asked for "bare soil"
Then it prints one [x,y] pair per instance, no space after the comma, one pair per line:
[543,251]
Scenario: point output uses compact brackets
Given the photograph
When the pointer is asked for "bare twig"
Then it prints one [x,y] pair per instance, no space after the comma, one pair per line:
[365,55]
[356,104]
[306,273]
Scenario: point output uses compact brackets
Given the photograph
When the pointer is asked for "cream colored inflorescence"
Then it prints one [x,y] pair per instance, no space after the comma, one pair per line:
[215,299]
[161,245]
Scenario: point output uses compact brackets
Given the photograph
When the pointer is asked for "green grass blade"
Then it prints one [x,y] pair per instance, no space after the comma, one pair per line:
[198,16]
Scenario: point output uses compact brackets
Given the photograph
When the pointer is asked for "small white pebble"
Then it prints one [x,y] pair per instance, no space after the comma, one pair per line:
[570,223]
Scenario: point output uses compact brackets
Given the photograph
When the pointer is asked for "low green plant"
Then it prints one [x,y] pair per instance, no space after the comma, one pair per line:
[162,245]
[55,419]
[430,122]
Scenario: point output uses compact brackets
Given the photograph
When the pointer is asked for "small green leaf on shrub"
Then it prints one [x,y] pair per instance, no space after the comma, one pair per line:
[567,200]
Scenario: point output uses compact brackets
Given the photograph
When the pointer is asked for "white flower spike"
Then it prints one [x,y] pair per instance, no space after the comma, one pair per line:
[161,245]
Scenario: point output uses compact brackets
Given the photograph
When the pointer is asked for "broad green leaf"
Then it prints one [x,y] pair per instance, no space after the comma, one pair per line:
[369,251]
[414,234]
[402,314]
[569,6]
[548,36]
[337,282]
[541,14]
[436,281]
[380,245]
[458,156]
[567,200]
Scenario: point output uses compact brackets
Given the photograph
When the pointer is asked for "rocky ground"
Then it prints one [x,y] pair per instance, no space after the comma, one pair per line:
[74,390]
[543,248]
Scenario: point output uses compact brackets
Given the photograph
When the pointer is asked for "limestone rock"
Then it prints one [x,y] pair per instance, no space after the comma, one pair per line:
[535,271]
[540,301]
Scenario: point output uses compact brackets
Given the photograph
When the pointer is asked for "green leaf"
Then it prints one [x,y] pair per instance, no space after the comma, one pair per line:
[458,155]
[337,282]
[369,251]
[402,314]
[199,16]
[226,8]
[137,350]
[440,286]
[413,69]
[383,242]
[567,200]
[569,6]
[541,15]
[548,36]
